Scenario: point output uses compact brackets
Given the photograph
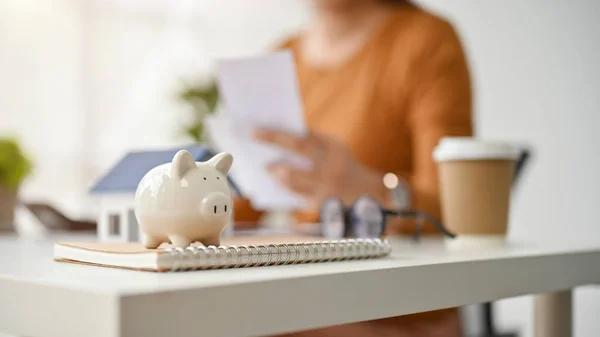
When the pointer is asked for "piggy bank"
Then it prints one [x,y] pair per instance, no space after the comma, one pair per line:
[184,202]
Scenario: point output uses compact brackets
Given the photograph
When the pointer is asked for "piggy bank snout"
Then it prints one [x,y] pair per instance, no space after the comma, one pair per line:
[216,205]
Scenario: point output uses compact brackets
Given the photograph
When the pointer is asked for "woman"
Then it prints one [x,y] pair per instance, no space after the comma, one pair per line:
[381,83]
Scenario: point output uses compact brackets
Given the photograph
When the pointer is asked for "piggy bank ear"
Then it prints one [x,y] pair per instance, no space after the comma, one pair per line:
[222,162]
[182,163]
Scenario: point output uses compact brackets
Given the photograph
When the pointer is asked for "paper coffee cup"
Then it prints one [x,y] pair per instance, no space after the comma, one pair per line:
[475,182]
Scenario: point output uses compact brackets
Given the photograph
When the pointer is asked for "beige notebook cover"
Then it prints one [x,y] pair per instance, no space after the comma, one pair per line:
[235,252]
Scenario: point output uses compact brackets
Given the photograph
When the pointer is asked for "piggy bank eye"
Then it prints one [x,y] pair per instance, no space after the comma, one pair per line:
[204,178]
[217,177]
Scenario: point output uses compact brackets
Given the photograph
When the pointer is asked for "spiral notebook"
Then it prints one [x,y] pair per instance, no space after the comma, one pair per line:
[236,252]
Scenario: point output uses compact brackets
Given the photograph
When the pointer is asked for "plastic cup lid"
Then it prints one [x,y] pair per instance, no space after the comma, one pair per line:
[468,148]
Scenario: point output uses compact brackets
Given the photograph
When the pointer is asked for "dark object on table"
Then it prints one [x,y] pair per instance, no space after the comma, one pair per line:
[53,219]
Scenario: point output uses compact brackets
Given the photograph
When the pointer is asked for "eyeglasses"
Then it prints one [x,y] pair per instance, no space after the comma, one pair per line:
[366,218]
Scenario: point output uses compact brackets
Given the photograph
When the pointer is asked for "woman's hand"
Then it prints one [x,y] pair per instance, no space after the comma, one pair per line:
[334,172]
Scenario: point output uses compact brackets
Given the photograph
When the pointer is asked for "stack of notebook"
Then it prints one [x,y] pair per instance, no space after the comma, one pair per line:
[235,252]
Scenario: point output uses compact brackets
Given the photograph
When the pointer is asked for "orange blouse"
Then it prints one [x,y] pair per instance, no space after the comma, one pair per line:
[391,103]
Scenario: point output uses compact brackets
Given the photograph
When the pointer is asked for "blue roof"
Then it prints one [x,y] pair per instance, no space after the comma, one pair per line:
[127,173]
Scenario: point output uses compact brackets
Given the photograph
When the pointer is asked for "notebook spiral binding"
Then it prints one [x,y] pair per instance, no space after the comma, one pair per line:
[221,257]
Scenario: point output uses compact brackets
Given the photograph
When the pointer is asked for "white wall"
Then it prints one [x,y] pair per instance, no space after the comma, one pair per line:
[41,97]
[148,55]
[77,78]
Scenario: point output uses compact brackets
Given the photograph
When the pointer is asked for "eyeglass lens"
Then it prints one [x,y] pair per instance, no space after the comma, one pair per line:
[366,218]
[333,219]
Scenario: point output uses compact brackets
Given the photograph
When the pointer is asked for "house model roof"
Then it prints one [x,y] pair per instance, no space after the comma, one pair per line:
[125,176]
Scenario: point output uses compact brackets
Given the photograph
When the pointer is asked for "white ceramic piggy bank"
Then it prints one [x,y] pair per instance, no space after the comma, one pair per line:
[184,201]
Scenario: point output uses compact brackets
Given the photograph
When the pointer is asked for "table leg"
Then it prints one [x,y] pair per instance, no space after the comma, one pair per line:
[553,314]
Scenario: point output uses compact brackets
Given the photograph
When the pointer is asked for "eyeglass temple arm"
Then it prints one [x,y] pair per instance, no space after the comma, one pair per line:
[426,216]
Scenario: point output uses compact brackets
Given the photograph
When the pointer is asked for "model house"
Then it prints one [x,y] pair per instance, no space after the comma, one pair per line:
[115,191]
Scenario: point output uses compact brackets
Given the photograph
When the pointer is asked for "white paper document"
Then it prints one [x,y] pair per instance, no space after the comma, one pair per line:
[258,92]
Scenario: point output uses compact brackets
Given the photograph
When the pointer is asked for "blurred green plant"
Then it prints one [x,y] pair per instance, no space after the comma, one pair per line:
[15,166]
[203,98]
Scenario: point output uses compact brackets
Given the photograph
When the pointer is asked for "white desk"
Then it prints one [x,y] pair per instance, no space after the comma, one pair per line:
[39,297]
